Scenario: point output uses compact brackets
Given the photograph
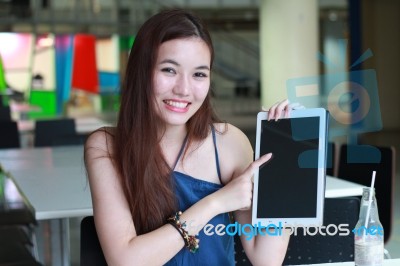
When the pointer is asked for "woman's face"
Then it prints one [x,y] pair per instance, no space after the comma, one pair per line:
[181,78]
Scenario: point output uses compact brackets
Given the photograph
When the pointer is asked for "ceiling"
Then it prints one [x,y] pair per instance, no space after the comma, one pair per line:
[125,16]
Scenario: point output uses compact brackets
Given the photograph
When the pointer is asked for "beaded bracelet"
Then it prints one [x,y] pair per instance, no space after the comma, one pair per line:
[191,242]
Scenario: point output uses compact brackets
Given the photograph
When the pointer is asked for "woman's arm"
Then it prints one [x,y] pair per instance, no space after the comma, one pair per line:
[261,249]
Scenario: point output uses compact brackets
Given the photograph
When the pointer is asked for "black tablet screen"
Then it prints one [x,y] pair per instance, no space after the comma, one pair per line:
[288,182]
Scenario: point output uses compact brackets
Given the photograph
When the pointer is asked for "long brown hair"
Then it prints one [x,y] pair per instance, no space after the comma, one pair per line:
[143,171]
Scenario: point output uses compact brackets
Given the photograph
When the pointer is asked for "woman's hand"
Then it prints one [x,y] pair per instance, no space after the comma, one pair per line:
[238,193]
[281,109]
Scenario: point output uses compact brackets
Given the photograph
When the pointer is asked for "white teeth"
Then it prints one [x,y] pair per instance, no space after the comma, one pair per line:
[177,104]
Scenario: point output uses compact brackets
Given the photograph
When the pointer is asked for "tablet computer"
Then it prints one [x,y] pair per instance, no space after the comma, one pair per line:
[289,190]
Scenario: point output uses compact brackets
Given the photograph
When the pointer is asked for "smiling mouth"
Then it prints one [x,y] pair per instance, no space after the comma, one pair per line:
[180,105]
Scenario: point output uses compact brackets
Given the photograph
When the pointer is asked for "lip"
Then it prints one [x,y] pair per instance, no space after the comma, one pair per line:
[173,105]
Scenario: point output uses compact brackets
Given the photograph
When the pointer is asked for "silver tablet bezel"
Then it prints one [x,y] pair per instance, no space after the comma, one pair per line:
[301,221]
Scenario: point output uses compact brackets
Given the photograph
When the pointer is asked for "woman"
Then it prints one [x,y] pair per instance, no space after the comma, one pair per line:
[169,153]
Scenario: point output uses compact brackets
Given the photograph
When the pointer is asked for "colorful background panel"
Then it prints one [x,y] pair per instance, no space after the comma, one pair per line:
[84,70]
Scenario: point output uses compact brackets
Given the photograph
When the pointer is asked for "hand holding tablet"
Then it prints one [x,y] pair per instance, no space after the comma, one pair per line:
[289,189]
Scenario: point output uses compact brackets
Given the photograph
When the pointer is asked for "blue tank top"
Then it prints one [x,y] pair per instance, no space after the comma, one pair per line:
[214,249]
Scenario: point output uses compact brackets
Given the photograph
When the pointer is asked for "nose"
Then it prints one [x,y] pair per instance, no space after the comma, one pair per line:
[182,86]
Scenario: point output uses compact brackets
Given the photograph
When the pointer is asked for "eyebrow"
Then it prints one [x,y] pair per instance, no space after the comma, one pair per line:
[170,61]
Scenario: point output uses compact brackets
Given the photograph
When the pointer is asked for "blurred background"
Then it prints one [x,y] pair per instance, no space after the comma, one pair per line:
[66,58]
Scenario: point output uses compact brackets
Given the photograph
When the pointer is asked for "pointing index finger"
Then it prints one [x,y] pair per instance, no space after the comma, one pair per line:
[259,162]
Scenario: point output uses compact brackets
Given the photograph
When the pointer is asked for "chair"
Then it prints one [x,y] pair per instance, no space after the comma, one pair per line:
[5,112]
[240,256]
[16,247]
[9,135]
[17,241]
[319,248]
[384,165]
[14,232]
[2,104]
[331,158]
[16,254]
[331,247]
[56,132]
[91,252]
[14,209]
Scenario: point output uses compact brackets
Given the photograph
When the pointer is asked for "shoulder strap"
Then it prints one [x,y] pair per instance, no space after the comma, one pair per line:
[180,152]
[216,153]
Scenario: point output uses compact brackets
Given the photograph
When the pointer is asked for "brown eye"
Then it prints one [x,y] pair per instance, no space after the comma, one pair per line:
[168,70]
[200,75]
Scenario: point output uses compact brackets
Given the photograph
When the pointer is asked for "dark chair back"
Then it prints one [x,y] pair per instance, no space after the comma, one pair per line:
[5,113]
[240,256]
[56,132]
[91,252]
[331,159]
[16,254]
[17,222]
[331,247]
[9,135]
[319,248]
[14,208]
[384,165]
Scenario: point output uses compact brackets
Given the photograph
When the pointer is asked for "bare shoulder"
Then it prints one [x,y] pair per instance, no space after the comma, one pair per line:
[231,137]
[234,148]
[100,142]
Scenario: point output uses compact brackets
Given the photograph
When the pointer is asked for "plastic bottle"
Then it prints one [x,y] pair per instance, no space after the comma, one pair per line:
[368,236]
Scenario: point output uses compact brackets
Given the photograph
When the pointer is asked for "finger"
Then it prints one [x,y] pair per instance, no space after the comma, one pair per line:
[256,164]
[278,113]
[281,106]
[271,111]
[264,164]
[287,111]
[263,159]
[265,109]
[270,114]
[275,111]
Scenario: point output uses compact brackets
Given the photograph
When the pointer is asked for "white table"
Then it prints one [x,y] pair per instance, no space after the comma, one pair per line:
[52,179]
[336,188]
[54,182]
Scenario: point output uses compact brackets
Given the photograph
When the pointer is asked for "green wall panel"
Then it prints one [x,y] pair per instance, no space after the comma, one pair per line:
[46,100]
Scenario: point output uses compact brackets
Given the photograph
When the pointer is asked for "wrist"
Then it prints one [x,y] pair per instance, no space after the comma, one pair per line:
[214,205]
